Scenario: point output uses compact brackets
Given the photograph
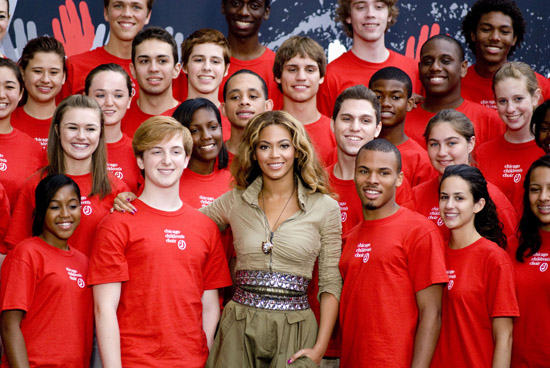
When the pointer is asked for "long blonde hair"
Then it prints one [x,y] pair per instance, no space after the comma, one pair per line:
[245,168]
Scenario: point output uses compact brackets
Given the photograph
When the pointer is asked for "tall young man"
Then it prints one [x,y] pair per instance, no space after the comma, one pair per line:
[155,274]
[366,21]
[299,69]
[441,67]
[154,66]
[493,29]
[126,19]
[393,269]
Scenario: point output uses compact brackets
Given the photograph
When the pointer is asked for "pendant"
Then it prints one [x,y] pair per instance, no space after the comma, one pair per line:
[266,247]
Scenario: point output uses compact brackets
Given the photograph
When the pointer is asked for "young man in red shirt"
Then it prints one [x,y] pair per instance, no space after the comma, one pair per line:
[155,273]
[154,65]
[126,19]
[366,21]
[393,268]
[493,29]
[299,69]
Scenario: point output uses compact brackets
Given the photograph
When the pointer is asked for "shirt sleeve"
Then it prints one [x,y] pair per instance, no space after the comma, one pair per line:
[220,209]
[501,292]
[21,223]
[18,284]
[330,280]
[216,270]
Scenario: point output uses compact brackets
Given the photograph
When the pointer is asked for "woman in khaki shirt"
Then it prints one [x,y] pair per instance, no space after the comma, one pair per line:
[283,220]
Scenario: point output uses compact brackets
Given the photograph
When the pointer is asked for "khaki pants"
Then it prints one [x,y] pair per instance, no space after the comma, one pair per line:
[255,338]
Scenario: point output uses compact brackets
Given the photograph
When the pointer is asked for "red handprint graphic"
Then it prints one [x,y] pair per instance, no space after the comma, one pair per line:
[76,35]
[410,50]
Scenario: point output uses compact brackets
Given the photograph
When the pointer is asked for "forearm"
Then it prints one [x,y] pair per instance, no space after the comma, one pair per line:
[108,337]
[503,342]
[210,315]
[328,315]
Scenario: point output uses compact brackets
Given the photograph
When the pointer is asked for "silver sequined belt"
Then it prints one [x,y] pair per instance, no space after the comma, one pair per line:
[265,282]
[271,302]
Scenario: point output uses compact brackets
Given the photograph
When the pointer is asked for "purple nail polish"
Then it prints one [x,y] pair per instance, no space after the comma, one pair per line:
[289,361]
[128,199]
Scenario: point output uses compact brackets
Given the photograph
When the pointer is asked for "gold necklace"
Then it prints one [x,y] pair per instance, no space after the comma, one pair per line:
[267,246]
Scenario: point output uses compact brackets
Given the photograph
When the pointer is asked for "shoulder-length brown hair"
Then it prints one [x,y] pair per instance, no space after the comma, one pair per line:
[56,155]
[245,168]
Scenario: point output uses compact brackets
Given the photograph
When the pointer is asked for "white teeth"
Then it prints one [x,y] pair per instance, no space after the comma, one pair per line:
[436,79]
[3,105]
[242,24]
[386,114]
[353,138]
[65,225]
[245,114]
[208,146]
[371,25]
[371,191]
[451,215]
[300,87]
[493,48]
[544,209]
[206,78]
[80,145]
[275,166]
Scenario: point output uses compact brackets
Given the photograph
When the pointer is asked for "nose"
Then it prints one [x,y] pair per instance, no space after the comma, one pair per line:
[355,125]
[205,134]
[442,152]
[436,66]
[80,134]
[108,99]
[384,101]
[545,194]
[45,77]
[64,211]
[127,11]
[243,10]
[207,65]
[245,101]
[448,203]
[510,107]
[301,74]
[153,66]
[494,35]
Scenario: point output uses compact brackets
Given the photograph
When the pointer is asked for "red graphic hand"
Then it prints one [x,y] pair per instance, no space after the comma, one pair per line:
[410,50]
[76,36]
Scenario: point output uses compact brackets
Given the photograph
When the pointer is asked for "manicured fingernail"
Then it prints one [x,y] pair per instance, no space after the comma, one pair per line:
[122,211]
[289,361]
[128,199]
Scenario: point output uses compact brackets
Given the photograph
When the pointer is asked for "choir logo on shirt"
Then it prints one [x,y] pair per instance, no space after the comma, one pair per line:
[205,201]
[512,171]
[451,274]
[116,170]
[86,206]
[363,251]
[76,276]
[175,237]
[435,215]
[540,260]
[343,208]
[3,163]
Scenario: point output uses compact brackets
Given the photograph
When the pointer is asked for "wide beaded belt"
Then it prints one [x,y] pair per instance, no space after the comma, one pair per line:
[271,290]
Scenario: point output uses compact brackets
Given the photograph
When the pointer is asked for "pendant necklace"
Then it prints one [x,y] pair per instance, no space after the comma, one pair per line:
[267,246]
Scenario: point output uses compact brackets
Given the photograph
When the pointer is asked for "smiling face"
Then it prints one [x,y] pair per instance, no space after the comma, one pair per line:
[205,68]
[126,18]
[275,153]
[368,19]
[441,68]
[62,217]
[544,133]
[539,195]
[447,147]
[4,18]
[245,99]
[300,79]
[244,17]
[206,132]
[394,103]
[494,36]
[164,163]
[10,92]
[154,67]
[456,203]
[515,104]
[110,90]
[44,76]
[376,180]
[79,132]
[355,125]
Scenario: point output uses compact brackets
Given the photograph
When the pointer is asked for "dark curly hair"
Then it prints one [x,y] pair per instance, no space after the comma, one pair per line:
[481,7]
[537,119]
[486,221]
[528,228]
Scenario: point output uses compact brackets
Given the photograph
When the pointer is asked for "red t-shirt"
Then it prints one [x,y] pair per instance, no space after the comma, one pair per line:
[487,124]
[427,204]
[200,190]
[93,210]
[20,157]
[480,288]
[49,284]
[531,347]
[39,129]
[4,217]
[165,261]
[384,264]
[262,65]
[505,165]
[349,70]
[122,162]
[135,116]
[322,138]
[480,90]
[415,163]
[78,67]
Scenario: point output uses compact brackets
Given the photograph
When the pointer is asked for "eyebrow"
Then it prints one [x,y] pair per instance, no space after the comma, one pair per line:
[246,90]
[145,56]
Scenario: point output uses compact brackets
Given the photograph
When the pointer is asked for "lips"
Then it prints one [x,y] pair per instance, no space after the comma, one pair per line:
[353,138]
[245,114]
[372,193]
[65,225]
[386,114]
[243,24]
[126,25]
[436,80]
[208,147]
[544,209]
[80,146]
[44,89]
[275,165]
[450,215]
